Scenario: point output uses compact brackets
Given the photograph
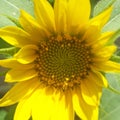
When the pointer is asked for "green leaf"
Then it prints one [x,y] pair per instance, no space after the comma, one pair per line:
[110,102]
[3,113]
[3,73]
[14,20]
[11,111]
[114,37]
[102,5]
[5,21]
[10,50]
[4,44]
[11,9]
[116,9]
[113,24]
[51,1]
[115,58]
[8,8]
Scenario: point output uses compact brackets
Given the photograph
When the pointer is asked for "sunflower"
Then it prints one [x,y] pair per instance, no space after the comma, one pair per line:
[58,70]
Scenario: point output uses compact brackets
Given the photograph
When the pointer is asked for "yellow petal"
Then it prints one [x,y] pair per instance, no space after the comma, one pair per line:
[102,18]
[15,36]
[13,63]
[23,110]
[104,39]
[19,91]
[61,109]
[31,26]
[104,53]
[91,92]
[106,35]
[44,14]
[10,63]
[109,66]
[82,109]
[60,9]
[42,105]
[99,79]
[27,54]
[18,75]
[78,13]
[63,106]
[92,34]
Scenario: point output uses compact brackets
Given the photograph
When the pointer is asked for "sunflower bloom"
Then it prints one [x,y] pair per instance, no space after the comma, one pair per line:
[58,68]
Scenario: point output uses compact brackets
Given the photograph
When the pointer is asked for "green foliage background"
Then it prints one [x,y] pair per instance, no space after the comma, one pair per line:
[110,102]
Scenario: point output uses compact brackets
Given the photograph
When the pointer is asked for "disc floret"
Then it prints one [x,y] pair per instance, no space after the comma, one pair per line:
[63,61]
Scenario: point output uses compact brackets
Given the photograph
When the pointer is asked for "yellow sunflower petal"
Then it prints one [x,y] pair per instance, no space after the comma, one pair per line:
[27,54]
[99,79]
[10,63]
[104,54]
[102,18]
[55,101]
[19,91]
[82,109]
[15,36]
[106,35]
[92,34]
[13,63]
[63,106]
[60,9]
[104,39]
[41,106]
[23,110]
[31,26]
[78,13]
[109,66]
[17,75]
[91,92]
[44,14]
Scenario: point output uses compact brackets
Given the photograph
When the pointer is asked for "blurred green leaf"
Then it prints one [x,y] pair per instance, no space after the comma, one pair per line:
[4,21]
[2,114]
[114,37]
[10,113]
[116,8]
[115,58]
[3,44]
[10,50]
[102,5]
[110,102]
[14,20]
[11,9]
[113,24]
[51,1]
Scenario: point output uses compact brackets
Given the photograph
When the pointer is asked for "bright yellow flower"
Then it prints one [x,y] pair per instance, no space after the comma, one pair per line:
[58,68]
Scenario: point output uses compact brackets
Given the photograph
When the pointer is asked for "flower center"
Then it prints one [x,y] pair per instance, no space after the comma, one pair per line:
[63,61]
